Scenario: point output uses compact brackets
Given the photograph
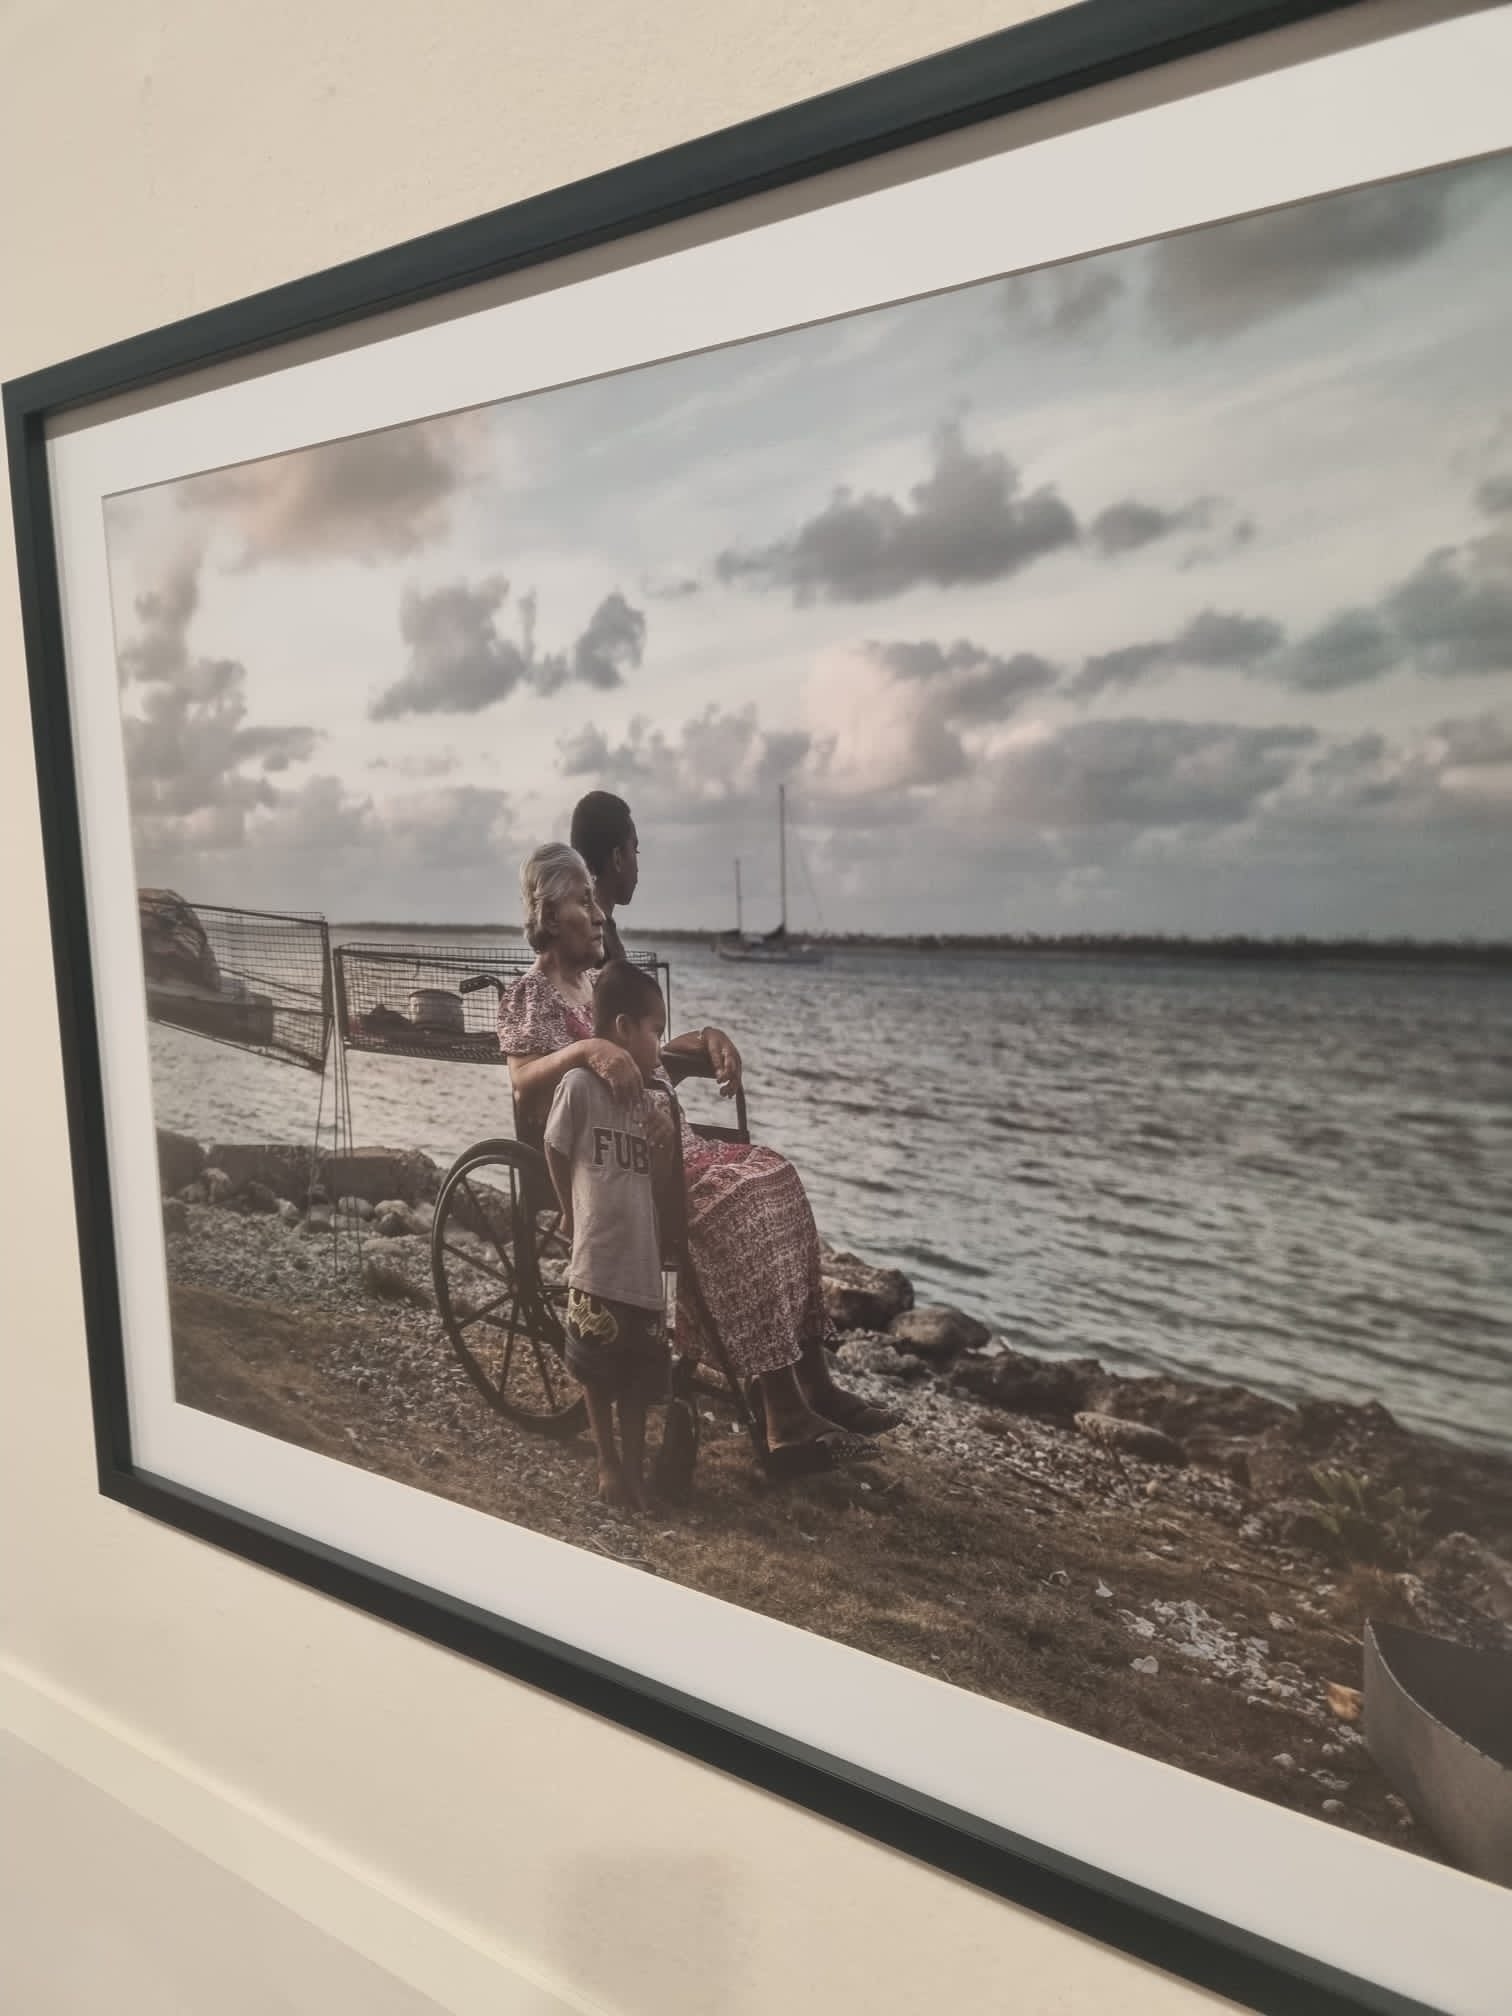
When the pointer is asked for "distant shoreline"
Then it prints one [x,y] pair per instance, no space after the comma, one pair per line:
[1487,953]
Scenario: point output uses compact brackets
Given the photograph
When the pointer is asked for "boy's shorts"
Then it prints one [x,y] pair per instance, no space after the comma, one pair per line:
[616,1350]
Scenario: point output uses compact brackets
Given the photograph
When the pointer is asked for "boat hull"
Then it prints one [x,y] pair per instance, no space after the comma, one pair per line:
[741,955]
[1438,1721]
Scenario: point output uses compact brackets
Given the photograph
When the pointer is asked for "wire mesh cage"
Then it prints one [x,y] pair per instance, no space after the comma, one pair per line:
[257,979]
[407,1000]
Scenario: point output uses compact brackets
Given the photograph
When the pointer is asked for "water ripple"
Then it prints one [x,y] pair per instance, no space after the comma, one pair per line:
[1296,1179]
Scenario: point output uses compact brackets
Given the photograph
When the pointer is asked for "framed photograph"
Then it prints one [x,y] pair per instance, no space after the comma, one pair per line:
[782,891]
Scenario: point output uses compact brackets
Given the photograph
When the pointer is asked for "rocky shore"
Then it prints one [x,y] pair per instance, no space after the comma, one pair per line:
[1177,1566]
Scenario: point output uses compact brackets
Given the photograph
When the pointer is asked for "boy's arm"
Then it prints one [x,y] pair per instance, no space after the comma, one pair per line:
[561,1181]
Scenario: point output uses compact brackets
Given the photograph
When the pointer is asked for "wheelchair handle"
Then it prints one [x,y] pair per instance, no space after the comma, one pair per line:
[682,1064]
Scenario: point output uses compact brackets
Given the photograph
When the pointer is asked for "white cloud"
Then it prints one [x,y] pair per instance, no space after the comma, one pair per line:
[373,498]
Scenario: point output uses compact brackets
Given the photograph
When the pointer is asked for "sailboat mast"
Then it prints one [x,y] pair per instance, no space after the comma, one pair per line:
[782,849]
[739,915]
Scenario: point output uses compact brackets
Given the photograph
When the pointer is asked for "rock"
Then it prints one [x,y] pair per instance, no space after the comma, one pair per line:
[1149,1664]
[1188,1410]
[194,1193]
[1279,1623]
[876,1356]
[256,1199]
[1333,1805]
[1316,1435]
[295,1172]
[355,1207]
[1056,1387]
[381,1173]
[907,1368]
[1289,1446]
[937,1331]
[284,1168]
[392,1284]
[858,1296]
[175,1215]
[1345,1702]
[483,1212]
[1467,1569]
[289,1212]
[394,1219]
[1289,1522]
[995,1426]
[1285,1761]
[1330,1782]
[1443,1613]
[1130,1438]
[180,1160]
[1102,1589]
[1327,1425]
[218,1186]
[1231,1458]
[317,1223]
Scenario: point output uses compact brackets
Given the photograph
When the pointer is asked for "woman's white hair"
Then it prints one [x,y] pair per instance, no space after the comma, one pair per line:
[549,877]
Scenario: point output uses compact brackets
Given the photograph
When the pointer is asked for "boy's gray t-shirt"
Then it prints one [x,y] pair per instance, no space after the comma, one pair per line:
[615,1252]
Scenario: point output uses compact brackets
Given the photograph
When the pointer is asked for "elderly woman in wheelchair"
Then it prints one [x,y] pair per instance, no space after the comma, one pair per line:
[749,1243]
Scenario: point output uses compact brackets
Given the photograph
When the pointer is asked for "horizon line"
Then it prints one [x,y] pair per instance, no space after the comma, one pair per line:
[1398,941]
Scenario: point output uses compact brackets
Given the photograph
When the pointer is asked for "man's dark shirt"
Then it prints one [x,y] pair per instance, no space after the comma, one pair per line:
[613,946]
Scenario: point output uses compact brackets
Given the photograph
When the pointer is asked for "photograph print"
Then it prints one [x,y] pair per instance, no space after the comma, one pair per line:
[871,972]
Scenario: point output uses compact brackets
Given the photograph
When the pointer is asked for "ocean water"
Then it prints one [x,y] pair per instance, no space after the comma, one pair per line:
[1295,1177]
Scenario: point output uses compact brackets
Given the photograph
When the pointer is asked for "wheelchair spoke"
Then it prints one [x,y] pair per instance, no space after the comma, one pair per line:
[485,1313]
[482,1266]
[542,1359]
[501,1289]
[485,1219]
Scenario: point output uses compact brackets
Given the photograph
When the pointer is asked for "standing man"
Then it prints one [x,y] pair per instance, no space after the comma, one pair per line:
[604,834]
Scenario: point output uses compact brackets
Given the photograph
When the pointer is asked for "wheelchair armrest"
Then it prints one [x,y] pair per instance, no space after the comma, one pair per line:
[679,1066]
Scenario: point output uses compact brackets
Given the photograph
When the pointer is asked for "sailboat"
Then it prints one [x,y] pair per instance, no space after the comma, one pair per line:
[771,948]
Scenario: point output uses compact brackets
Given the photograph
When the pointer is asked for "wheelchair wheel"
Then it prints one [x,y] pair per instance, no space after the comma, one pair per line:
[499,1262]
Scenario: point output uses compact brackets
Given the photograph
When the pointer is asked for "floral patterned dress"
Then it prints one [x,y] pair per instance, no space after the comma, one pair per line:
[751,1232]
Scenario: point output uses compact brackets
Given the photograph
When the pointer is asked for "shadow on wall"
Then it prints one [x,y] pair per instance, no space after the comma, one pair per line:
[644,1934]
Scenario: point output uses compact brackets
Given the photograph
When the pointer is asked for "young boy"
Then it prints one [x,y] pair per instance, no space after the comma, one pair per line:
[600,1153]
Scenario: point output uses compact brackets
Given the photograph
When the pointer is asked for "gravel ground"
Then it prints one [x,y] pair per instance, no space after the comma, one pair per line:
[1000,1551]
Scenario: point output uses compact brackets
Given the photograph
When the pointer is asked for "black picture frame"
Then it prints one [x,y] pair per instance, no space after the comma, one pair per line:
[1061,53]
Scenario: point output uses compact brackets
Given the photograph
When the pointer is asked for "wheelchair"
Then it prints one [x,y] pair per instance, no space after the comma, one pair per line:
[499,1261]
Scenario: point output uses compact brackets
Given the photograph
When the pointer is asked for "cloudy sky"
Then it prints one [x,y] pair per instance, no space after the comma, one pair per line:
[1170,589]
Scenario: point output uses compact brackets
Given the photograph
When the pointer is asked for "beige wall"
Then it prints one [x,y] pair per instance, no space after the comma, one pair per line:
[220,1793]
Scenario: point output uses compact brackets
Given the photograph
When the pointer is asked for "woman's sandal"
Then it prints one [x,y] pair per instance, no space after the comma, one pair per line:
[819,1452]
[860,1417]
